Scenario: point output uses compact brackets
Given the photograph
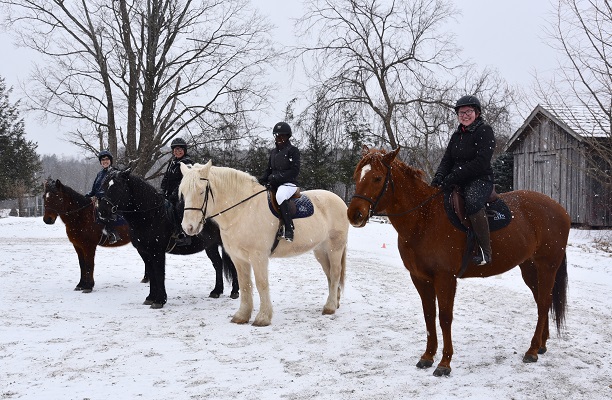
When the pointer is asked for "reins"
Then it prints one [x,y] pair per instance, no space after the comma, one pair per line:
[388,180]
[205,203]
[71,211]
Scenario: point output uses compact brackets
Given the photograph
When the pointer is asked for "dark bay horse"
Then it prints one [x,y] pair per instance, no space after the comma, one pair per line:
[151,231]
[77,213]
[432,248]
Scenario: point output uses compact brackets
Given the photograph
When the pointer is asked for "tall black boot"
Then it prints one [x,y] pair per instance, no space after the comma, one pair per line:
[480,224]
[286,214]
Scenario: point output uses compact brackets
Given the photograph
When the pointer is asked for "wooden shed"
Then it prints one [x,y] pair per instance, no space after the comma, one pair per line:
[550,157]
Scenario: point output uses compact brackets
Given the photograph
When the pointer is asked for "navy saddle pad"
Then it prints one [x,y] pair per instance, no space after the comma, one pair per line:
[303,207]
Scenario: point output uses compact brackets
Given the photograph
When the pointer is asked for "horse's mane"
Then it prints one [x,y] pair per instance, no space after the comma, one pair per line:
[375,158]
[231,180]
[70,192]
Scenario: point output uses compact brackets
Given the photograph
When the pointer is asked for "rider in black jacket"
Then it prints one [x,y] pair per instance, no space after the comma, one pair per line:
[282,172]
[467,164]
[172,180]
[105,158]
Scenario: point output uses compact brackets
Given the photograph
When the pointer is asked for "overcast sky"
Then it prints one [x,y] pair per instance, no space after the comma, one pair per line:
[506,35]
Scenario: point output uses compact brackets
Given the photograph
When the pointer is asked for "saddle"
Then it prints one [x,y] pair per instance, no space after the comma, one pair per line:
[498,212]
[300,206]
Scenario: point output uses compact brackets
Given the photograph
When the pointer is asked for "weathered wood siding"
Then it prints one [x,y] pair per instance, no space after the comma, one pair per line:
[549,160]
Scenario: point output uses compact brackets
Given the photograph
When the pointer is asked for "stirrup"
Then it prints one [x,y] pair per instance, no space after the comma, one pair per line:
[481,258]
[112,237]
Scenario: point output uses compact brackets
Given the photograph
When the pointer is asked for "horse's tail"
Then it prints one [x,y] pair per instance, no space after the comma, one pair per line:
[229,269]
[559,295]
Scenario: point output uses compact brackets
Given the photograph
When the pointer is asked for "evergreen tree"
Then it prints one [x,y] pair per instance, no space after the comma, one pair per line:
[19,162]
[503,170]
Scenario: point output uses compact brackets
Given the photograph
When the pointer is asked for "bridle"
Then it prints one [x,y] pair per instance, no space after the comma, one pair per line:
[209,193]
[374,203]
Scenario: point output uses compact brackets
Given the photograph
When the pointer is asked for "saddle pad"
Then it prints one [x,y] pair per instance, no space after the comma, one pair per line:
[303,207]
[498,213]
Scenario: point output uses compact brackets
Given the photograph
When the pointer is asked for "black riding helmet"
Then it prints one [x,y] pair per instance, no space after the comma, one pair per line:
[179,142]
[468,100]
[105,153]
[281,128]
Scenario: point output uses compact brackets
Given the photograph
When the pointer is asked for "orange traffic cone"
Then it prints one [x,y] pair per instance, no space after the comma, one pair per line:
[384,246]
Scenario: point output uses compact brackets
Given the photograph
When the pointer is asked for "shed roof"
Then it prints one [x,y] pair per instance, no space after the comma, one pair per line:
[579,122]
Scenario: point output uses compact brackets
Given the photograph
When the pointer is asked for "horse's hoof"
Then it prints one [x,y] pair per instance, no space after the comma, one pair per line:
[239,321]
[157,306]
[144,280]
[530,358]
[542,350]
[328,311]
[424,363]
[214,295]
[147,302]
[87,291]
[234,295]
[442,371]
[260,323]
[78,289]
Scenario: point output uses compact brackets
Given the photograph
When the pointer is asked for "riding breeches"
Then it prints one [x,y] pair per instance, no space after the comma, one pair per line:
[285,191]
[476,194]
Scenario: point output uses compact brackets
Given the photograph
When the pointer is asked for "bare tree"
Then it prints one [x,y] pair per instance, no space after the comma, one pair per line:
[136,74]
[382,55]
[580,94]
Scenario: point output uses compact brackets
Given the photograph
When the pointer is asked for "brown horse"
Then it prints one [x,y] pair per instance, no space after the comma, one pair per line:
[432,248]
[77,213]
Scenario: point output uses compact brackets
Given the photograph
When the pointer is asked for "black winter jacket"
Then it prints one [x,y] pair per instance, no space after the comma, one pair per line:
[283,166]
[468,154]
[172,178]
[97,185]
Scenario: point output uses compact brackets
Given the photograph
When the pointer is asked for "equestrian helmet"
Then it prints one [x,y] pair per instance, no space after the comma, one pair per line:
[468,100]
[282,128]
[178,142]
[105,153]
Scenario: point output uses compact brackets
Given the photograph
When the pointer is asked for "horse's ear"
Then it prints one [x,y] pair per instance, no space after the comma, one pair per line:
[389,157]
[184,168]
[364,150]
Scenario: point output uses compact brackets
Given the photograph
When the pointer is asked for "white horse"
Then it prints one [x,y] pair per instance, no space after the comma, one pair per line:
[239,205]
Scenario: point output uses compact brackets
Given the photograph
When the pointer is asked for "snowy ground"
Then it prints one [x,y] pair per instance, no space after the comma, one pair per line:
[56,343]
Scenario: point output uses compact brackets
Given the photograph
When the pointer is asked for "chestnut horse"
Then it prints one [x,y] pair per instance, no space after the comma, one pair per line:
[432,248]
[77,213]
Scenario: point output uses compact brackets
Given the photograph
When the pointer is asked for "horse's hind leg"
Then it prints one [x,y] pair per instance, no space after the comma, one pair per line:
[541,278]
[530,277]
[213,253]
[331,264]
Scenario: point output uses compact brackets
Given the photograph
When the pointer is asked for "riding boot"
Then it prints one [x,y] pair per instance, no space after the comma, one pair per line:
[111,236]
[480,225]
[286,214]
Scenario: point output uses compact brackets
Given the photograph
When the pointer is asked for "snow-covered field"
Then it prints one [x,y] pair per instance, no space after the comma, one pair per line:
[56,343]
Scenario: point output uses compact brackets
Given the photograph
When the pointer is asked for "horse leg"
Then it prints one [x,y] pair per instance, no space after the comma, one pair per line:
[260,270]
[243,315]
[545,282]
[86,264]
[229,271]
[427,293]
[155,267]
[446,287]
[332,268]
[213,254]
[530,277]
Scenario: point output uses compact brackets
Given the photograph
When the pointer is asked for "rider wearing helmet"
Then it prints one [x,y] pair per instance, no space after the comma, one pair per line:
[282,172]
[172,180]
[105,158]
[467,164]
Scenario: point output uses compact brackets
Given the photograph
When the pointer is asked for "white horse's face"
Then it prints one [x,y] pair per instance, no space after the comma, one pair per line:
[194,187]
